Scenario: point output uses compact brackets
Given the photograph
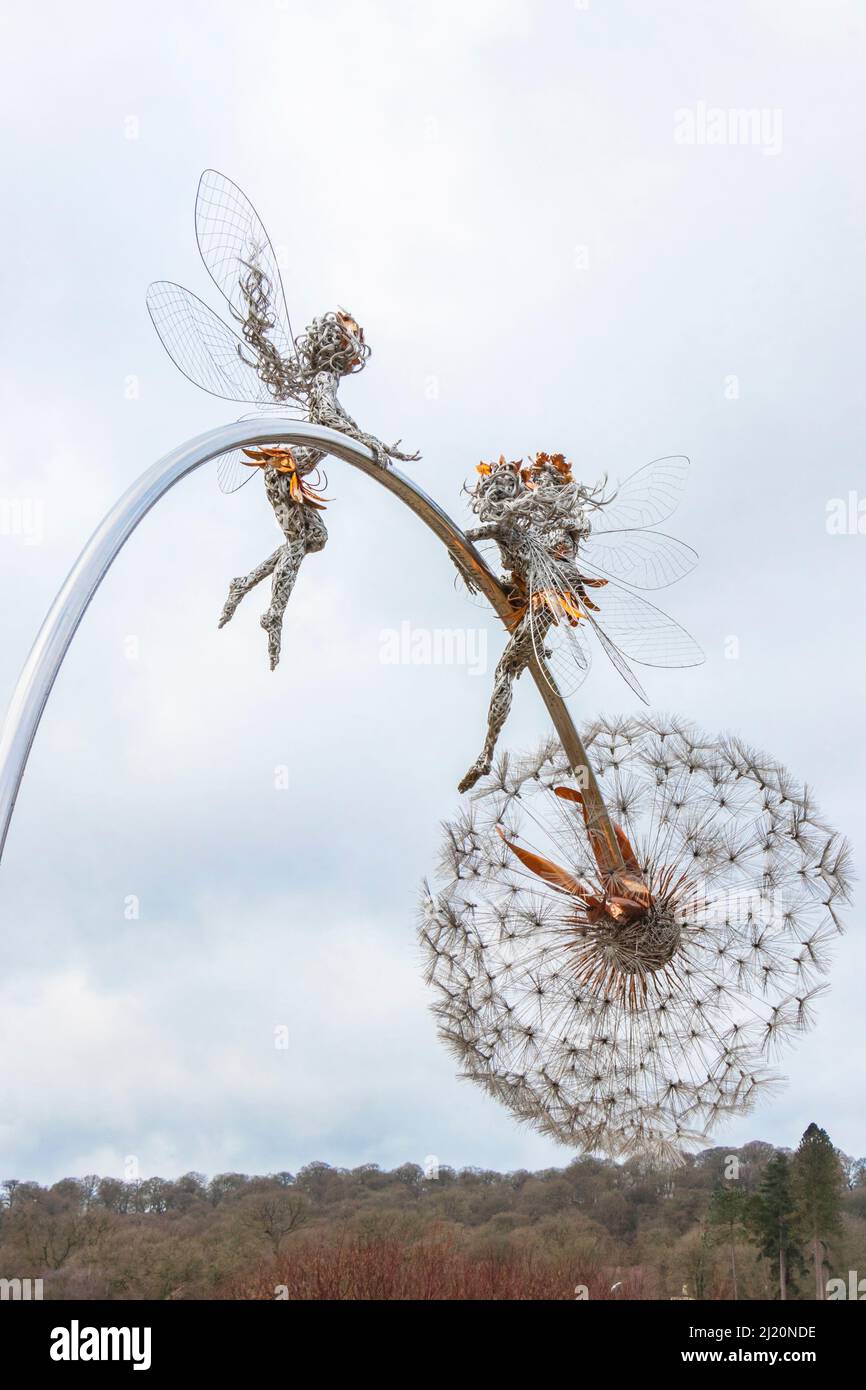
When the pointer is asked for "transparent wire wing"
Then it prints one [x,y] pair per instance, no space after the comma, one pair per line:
[644,559]
[648,497]
[628,627]
[232,469]
[561,651]
[547,577]
[231,472]
[617,659]
[231,238]
[641,631]
[559,644]
[203,347]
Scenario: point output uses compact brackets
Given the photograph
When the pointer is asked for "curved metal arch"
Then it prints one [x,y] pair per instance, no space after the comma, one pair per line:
[52,642]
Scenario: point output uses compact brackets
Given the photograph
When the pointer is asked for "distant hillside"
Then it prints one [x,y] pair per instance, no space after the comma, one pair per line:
[601,1228]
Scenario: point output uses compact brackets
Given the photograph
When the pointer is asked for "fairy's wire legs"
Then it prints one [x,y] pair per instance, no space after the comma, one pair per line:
[239,588]
[305,532]
[513,661]
[282,584]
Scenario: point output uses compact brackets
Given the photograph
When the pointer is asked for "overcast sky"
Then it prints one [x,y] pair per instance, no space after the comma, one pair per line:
[521,204]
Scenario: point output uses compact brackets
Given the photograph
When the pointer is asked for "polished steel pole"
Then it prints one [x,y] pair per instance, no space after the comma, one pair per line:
[46,656]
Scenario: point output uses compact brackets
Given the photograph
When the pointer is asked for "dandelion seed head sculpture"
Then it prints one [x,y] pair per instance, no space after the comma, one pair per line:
[631,1011]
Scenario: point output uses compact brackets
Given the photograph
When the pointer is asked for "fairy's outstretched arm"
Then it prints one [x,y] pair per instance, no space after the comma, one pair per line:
[332,413]
[488,532]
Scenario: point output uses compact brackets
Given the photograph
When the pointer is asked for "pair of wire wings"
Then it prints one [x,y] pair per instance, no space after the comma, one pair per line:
[622,553]
[231,240]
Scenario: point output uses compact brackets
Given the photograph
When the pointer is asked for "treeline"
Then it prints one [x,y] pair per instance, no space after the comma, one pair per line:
[754,1222]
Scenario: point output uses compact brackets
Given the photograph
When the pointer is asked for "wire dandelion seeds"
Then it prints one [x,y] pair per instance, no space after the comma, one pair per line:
[631,1011]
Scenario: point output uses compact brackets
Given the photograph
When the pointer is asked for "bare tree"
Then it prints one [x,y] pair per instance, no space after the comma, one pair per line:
[277,1215]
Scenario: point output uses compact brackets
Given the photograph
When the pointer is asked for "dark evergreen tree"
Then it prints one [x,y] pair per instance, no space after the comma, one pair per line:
[774,1221]
[817,1185]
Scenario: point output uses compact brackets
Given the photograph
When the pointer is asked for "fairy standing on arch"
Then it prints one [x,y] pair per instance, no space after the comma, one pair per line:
[540,519]
[268,367]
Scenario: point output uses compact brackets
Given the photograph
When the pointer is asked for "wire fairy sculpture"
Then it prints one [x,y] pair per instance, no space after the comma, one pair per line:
[624,934]
[268,367]
[630,1012]
[539,517]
